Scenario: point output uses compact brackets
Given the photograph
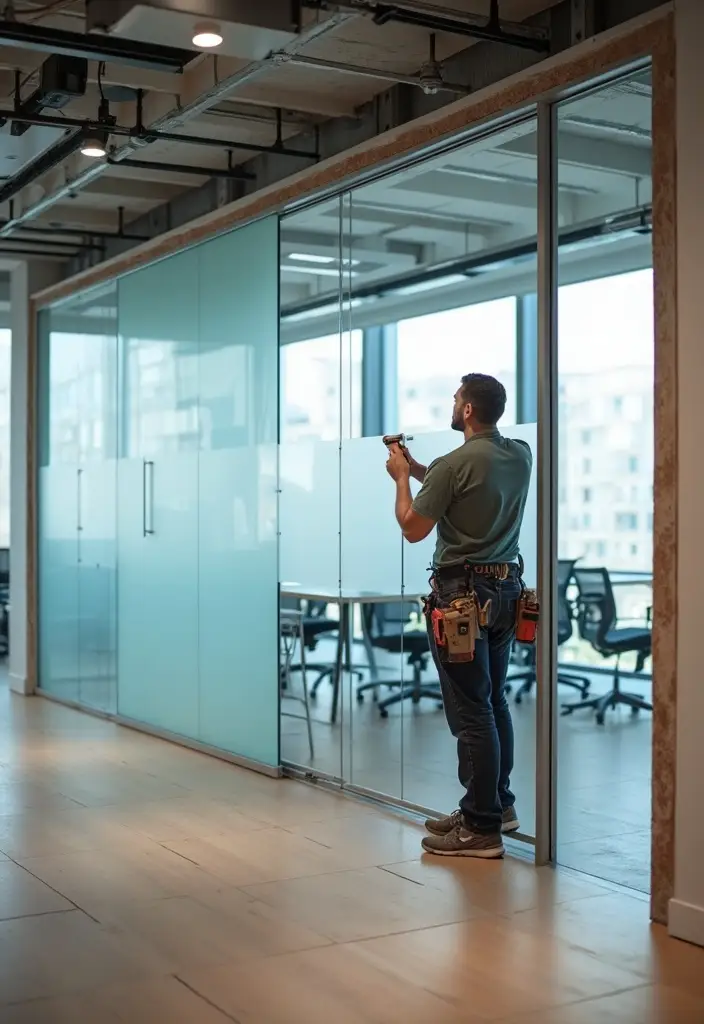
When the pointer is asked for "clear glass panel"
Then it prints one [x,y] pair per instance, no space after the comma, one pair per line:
[605,478]
[313,380]
[158,495]
[237,499]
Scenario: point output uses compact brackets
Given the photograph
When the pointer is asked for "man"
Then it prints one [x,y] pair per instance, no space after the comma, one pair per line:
[476,496]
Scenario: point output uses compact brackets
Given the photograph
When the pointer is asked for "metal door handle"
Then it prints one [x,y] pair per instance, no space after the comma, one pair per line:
[148,498]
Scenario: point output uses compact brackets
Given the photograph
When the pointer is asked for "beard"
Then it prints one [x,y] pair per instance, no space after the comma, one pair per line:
[457,422]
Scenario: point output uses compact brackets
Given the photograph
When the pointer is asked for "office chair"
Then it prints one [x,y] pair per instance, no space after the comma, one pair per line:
[385,628]
[315,624]
[565,615]
[292,634]
[598,625]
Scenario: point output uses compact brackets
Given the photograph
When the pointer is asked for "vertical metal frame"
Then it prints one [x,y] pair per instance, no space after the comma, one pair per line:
[546,723]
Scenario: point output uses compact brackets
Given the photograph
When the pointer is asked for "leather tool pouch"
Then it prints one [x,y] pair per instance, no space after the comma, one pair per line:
[457,628]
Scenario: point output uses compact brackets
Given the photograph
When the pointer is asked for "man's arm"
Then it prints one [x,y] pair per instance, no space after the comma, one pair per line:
[413,526]
[418,470]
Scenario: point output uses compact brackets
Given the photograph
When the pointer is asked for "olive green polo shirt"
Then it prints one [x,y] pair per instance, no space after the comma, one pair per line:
[477,495]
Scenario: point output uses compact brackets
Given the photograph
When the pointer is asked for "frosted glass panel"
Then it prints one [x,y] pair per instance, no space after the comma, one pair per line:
[97,583]
[77,404]
[158,496]
[59,672]
[309,515]
[237,543]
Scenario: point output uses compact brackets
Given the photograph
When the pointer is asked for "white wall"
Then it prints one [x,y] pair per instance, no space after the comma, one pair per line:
[687,907]
[25,279]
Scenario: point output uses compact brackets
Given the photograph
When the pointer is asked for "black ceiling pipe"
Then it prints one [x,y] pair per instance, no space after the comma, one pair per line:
[491,32]
[249,147]
[33,229]
[51,157]
[73,246]
[128,52]
[233,174]
[41,253]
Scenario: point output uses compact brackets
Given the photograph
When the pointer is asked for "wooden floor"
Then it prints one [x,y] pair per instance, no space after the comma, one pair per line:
[142,882]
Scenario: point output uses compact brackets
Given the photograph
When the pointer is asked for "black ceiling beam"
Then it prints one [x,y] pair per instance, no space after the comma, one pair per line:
[146,136]
[33,229]
[114,49]
[49,158]
[232,174]
[491,32]
[46,242]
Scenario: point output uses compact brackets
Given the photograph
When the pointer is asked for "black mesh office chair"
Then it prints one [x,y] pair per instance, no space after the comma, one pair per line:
[316,624]
[565,617]
[386,627]
[598,625]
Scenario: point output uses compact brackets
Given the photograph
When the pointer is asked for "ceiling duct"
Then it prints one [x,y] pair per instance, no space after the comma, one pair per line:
[250,29]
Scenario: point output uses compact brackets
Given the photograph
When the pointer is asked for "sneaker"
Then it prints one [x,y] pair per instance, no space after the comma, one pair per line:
[460,842]
[441,826]
[509,820]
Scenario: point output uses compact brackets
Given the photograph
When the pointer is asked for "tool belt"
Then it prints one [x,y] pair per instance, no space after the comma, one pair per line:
[457,627]
[495,571]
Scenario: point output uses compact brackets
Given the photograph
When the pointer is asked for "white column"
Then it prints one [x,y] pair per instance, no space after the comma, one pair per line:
[25,279]
[686,912]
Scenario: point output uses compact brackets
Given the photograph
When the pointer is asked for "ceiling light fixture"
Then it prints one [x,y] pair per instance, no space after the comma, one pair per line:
[95,145]
[207,35]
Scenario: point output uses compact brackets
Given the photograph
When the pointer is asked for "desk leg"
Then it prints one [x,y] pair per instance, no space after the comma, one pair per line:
[342,649]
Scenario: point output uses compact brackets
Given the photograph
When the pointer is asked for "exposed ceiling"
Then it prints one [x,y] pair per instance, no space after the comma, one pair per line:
[273,82]
[253,92]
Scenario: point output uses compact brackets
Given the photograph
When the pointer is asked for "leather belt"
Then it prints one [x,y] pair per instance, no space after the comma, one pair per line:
[494,570]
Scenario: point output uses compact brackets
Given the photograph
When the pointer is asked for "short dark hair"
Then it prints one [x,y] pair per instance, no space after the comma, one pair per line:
[487,396]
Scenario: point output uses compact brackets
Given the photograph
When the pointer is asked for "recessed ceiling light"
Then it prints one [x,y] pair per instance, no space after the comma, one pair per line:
[207,35]
[94,146]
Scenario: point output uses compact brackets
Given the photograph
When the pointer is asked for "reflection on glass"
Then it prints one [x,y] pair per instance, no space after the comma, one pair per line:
[436,350]
[605,476]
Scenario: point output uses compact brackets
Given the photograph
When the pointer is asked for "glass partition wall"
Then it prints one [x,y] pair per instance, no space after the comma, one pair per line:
[218,552]
[158,496]
[390,293]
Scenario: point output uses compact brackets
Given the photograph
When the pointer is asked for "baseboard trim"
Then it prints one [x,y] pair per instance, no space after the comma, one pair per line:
[20,684]
[161,734]
[686,921]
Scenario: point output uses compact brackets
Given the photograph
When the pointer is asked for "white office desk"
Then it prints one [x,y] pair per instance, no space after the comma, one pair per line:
[345,599]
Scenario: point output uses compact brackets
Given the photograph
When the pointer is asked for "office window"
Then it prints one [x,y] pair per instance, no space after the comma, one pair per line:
[626,521]
[606,401]
[587,466]
[436,350]
[310,388]
[586,520]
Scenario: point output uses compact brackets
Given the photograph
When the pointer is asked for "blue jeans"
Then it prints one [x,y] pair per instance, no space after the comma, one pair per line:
[474,696]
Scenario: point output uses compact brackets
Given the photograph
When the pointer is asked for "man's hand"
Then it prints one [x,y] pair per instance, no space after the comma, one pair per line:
[397,465]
